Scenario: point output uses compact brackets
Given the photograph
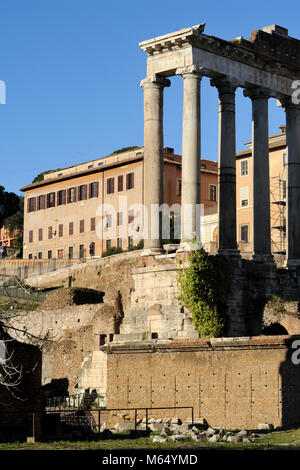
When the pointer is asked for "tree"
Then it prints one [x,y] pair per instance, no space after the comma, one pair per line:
[16,222]
[11,315]
[9,204]
[40,176]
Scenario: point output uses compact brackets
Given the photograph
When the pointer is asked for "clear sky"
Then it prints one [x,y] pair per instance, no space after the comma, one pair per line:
[72,71]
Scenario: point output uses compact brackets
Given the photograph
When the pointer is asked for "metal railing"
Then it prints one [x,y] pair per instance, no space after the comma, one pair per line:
[98,411]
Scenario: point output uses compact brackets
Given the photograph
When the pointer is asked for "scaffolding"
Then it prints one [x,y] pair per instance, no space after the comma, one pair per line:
[278,217]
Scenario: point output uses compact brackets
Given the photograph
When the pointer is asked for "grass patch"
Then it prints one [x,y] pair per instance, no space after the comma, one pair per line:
[275,440]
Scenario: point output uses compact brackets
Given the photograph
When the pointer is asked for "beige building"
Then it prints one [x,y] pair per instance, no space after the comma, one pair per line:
[244,200]
[277,165]
[86,209]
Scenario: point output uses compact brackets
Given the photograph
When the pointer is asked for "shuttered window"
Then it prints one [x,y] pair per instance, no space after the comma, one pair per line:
[120,183]
[93,189]
[71,195]
[82,192]
[61,197]
[130,181]
[110,185]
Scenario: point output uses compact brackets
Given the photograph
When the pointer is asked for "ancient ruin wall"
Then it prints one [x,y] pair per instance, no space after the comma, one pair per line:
[231,382]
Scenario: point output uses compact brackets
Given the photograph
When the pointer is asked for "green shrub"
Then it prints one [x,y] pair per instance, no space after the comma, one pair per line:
[203,287]
[113,250]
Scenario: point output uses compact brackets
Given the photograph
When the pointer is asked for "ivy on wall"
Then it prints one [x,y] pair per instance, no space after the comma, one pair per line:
[203,287]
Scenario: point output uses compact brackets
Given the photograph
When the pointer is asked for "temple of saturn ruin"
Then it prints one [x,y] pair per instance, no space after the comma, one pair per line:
[266,66]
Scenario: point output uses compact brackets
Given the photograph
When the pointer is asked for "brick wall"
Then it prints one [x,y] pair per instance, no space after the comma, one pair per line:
[231,382]
[16,412]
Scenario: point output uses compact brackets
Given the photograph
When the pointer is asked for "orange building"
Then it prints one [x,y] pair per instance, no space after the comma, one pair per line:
[86,209]
[8,237]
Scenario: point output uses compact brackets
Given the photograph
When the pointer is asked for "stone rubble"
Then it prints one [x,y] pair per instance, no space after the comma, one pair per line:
[194,432]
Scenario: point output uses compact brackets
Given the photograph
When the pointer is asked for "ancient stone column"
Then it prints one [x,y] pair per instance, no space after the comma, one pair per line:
[153,87]
[226,167]
[260,175]
[191,154]
[293,182]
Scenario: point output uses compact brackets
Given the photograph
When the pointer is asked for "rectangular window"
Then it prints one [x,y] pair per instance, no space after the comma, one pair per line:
[244,196]
[60,230]
[119,242]
[93,189]
[61,197]
[40,255]
[71,195]
[130,241]
[130,216]
[283,190]
[120,183]
[60,254]
[92,249]
[81,251]
[108,244]
[50,254]
[71,228]
[81,226]
[244,167]
[178,187]
[50,200]
[244,233]
[30,238]
[108,221]
[70,254]
[31,204]
[30,256]
[50,233]
[110,185]
[41,202]
[120,218]
[284,158]
[212,192]
[130,181]
[93,224]
[40,234]
[82,192]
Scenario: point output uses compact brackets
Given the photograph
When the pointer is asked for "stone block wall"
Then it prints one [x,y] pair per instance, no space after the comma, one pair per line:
[231,382]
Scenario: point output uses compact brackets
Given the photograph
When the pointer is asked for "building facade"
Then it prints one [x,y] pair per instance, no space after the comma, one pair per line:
[278,193]
[85,210]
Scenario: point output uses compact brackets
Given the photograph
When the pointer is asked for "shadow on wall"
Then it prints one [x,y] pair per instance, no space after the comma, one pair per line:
[56,388]
[274,329]
[289,373]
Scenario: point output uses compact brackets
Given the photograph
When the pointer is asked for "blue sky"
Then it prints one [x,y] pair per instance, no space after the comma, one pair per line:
[72,71]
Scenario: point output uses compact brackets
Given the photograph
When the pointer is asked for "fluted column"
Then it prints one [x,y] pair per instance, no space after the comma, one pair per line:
[226,167]
[293,182]
[260,175]
[153,87]
[191,154]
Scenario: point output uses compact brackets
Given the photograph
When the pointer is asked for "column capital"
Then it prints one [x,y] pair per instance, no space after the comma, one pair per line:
[155,79]
[288,103]
[257,92]
[225,85]
[192,71]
